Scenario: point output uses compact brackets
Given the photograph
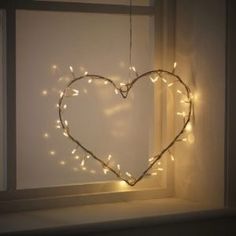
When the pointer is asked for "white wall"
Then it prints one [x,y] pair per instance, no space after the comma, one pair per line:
[200,52]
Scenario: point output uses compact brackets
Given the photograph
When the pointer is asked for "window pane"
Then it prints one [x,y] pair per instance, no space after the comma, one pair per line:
[47,44]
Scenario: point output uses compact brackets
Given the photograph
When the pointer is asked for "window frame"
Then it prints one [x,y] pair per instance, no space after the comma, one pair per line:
[13,199]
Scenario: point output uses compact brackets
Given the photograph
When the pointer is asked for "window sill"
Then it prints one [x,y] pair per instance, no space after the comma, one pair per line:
[111,216]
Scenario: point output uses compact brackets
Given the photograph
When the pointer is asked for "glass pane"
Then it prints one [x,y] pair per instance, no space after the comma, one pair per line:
[2,104]
[47,44]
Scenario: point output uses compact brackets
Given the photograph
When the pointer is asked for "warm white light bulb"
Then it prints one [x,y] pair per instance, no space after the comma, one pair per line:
[170,84]
[66,122]
[45,135]
[90,81]
[179,91]
[77,157]
[118,167]
[86,73]
[175,64]
[75,92]
[45,92]
[151,159]
[128,174]
[160,169]
[105,82]
[154,79]
[172,157]
[154,173]
[188,127]
[105,170]
[71,69]
[164,80]
[73,151]
[62,163]
[116,91]
[109,157]
[82,162]
[52,153]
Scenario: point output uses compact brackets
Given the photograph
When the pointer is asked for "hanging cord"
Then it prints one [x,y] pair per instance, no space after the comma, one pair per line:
[130,34]
[130,38]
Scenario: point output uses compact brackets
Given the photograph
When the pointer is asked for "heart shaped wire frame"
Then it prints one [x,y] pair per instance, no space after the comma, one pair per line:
[124,91]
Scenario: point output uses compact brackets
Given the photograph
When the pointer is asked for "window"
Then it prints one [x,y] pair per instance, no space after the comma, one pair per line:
[49,37]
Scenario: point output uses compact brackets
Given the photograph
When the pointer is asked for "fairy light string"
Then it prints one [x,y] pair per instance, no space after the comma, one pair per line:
[123,90]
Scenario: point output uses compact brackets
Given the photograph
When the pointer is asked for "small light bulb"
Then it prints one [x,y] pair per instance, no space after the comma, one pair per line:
[172,157]
[191,138]
[58,126]
[86,73]
[45,135]
[90,81]
[76,92]
[118,167]
[54,67]
[64,106]
[66,122]
[71,69]
[61,94]
[105,170]
[164,80]
[62,163]
[175,64]
[44,92]
[84,168]
[87,156]
[154,79]
[82,162]
[73,151]
[109,157]
[159,163]
[188,127]
[179,91]
[154,173]
[170,84]
[116,91]
[160,169]
[133,68]
[151,159]
[65,134]
[184,139]
[76,157]
[181,114]
[52,153]
[128,174]
[105,82]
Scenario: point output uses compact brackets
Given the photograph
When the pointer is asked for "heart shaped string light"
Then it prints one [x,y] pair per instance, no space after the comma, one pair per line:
[166,77]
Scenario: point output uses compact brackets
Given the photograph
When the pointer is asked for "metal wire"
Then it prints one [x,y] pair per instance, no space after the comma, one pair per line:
[124,93]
